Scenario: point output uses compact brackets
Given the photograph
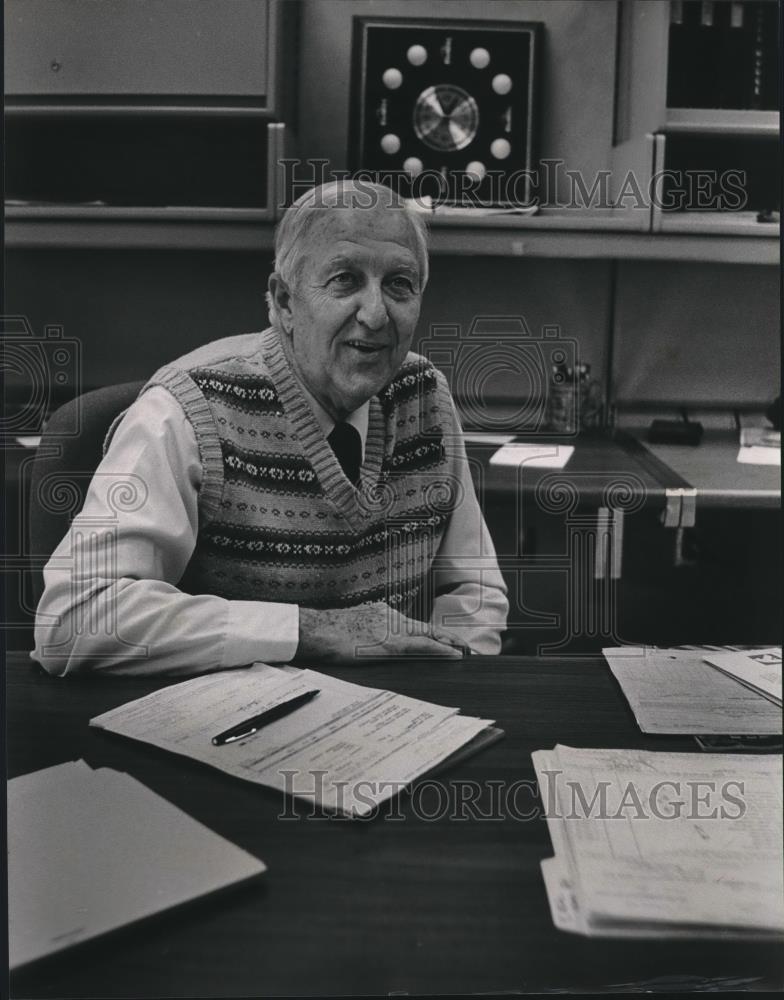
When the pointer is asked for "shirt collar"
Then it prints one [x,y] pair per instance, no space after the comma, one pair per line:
[358,419]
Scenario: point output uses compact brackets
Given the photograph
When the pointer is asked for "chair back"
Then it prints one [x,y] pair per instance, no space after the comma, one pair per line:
[70,451]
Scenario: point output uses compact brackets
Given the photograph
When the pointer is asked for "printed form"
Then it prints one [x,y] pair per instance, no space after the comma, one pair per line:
[757,669]
[663,844]
[349,749]
[676,691]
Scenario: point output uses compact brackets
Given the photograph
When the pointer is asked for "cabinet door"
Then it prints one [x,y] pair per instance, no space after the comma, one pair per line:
[137,48]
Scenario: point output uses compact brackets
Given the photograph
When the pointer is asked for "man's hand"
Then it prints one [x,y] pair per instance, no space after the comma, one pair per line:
[369,630]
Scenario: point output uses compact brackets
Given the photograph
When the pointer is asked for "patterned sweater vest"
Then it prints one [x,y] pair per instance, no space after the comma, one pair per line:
[278,519]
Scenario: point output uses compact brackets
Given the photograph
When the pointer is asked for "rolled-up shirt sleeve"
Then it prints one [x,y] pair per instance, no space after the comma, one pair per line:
[111,601]
[470,599]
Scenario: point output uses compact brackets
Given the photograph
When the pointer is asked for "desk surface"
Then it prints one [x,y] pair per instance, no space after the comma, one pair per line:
[713,469]
[358,907]
[604,466]
[601,471]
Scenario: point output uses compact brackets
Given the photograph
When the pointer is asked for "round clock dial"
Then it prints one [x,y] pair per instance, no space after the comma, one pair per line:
[446,117]
[445,110]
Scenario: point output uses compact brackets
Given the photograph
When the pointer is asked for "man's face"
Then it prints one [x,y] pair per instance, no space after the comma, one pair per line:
[354,306]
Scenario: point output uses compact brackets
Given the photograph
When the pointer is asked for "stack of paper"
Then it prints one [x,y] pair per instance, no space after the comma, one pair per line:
[757,669]
[663,844]
[676,691]
[349,749]
[533,456]
[487,437]
[759,446]
[90,851]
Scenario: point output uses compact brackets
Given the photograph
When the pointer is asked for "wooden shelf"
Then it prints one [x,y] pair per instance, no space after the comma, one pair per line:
[604,245]
[45,227]
[138,229]
[735,224]
[201,108]
[550,220]
[112,213]
[722,121]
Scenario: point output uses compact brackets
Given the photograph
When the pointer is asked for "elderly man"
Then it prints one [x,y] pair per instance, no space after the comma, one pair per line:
[301,492]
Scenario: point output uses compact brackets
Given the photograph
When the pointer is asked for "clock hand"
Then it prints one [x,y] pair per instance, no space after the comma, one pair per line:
[431,127]
[435,105]
[462,110]
[458,133]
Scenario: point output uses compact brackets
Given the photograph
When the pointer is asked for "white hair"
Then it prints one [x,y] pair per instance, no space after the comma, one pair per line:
[291,232]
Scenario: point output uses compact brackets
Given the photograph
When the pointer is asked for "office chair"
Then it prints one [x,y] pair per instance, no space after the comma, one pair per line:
[71,449]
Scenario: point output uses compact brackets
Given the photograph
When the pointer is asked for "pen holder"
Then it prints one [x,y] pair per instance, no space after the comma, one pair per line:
[574,400]
[562,403]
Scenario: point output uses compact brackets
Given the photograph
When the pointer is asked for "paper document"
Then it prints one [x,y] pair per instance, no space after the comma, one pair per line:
[663,844]
[759,446]
[425,204]
[487,437]
[676,691]
[91,851]
[757,669]
[349,749]
[533,456]
[479,212]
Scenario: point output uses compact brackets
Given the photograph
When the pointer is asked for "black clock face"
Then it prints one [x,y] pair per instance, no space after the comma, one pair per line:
[444,108]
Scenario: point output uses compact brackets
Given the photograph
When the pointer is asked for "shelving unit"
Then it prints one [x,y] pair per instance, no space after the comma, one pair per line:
[181,125]
[188,93]
[245,230]
[127,55]
[722,90]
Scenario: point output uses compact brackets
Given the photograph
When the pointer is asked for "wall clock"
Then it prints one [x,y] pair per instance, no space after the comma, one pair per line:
[445,108]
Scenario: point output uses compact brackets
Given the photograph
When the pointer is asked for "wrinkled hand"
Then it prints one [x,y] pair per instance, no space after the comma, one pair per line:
[369,630]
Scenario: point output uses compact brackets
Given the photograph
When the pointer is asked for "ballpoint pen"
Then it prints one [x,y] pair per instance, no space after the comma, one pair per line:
[249,726]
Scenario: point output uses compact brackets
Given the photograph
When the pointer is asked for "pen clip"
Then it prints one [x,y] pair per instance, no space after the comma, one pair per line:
[250,726]
[221,741]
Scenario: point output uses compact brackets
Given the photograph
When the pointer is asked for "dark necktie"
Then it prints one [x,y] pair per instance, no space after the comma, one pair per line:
[347,445]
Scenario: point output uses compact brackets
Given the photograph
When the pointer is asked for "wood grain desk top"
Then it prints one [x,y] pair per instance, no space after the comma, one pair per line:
[369,907]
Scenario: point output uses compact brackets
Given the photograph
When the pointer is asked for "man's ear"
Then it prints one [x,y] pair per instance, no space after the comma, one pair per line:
[280,296]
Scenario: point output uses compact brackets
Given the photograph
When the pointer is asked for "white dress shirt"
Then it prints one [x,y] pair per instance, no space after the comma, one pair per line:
[111,601]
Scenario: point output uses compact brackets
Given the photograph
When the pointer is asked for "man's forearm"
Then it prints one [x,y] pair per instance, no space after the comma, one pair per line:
[149,627]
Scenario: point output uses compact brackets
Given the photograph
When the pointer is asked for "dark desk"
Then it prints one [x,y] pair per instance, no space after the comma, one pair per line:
[712,468]
[607,527]
[605,464]
[354,907]
[604,470]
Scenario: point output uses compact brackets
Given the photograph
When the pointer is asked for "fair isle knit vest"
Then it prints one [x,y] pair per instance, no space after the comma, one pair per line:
[278,519]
